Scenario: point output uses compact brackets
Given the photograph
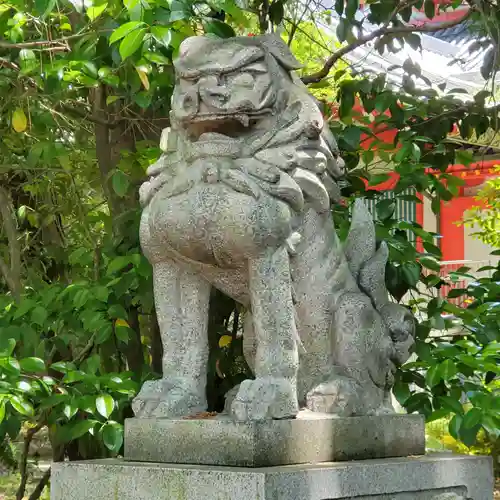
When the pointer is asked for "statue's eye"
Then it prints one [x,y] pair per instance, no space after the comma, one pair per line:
[243,80]
[187,82]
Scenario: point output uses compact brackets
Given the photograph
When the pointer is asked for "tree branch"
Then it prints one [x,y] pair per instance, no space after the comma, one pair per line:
[11,272]
[58,42]
[378,33]
[94,118]
[23,463]
[44,481]
[263,15]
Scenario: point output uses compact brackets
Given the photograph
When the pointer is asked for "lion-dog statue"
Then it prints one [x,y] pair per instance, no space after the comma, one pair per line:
[241,200]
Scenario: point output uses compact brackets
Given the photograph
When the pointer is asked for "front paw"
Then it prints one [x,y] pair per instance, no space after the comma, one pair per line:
[265,399]
[168,398]
[339,396]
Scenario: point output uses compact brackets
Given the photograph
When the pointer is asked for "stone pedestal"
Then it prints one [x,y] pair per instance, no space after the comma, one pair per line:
[432,477]
[310,438]
[217,459]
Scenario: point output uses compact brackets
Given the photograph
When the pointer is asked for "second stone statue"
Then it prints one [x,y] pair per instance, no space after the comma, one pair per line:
[240,200]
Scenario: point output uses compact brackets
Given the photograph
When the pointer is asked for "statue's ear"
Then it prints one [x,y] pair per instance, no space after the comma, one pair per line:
[280,51]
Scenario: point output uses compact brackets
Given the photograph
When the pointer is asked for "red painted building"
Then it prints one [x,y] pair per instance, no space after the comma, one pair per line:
[440,50]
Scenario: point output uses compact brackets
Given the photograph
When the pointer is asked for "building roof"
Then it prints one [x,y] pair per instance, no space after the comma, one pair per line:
[444,57]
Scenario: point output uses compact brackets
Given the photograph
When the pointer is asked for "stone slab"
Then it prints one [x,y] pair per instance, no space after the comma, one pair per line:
[432,477]
[310,439]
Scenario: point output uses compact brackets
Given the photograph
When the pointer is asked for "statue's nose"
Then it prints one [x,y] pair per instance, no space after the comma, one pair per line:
[212,92]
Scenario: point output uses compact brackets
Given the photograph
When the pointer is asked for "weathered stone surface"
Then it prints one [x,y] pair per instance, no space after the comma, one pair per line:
[241,200]
[434,477]
[311,438]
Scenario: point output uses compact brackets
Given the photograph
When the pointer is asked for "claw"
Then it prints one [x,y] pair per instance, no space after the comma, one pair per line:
[265,399]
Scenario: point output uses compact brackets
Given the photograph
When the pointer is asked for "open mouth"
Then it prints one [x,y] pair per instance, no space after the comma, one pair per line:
[219,127]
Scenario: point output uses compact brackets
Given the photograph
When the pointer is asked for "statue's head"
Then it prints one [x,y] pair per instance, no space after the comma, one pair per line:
[239,98]
[228,85]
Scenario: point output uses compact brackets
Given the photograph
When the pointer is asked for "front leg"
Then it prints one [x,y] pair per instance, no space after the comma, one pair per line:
[273,393]
[181,299]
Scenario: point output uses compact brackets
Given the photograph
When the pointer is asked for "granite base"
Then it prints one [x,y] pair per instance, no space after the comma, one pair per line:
[311,438]
[432,477]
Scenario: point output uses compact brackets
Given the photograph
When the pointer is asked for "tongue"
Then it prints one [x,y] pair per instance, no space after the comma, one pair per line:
[213,136]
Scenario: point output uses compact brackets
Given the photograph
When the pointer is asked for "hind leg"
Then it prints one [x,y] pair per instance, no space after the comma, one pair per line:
[181,298]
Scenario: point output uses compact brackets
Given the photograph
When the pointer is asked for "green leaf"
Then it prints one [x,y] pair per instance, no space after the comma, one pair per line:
[78,429]
[112,436]
[352,135]
[24,306]
[401,391]
[385,209]
[2,411]
[96,10]
[433,249]
[117,311]
[32,365]
[62,366]
[103,334]
[10,366]
[433,377]
[101,293]
[39,315]
[438,415]
[456,292]
[472,418]
[468,436]
[7,346]
[124,30]
[491,426]
[452,403]
[463,157]
[131,43]
[431,264]
[156,58]
[179,11]
[80,298]
[339,6]
[419,402]
[143,99]
[105,405]
[429,8]
[123,333]
[111,99]
[454,426]
[411,273]
[22,406]
[70,410]
[344,30]
[118,263]
[351,8]
[276,12]
[162,35]
[378,179]
[347,100]
[120,183]
[219,29]
[447,370]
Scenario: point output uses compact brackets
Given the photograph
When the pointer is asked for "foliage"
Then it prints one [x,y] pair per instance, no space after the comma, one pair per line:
[9,485]
[438,438]
[8,459]
[485,218]
[85,93]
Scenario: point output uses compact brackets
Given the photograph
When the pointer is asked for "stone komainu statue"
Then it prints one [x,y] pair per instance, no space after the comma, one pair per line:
[241,200]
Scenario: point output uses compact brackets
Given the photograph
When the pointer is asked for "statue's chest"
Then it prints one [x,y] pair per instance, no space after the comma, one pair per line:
[214,224]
